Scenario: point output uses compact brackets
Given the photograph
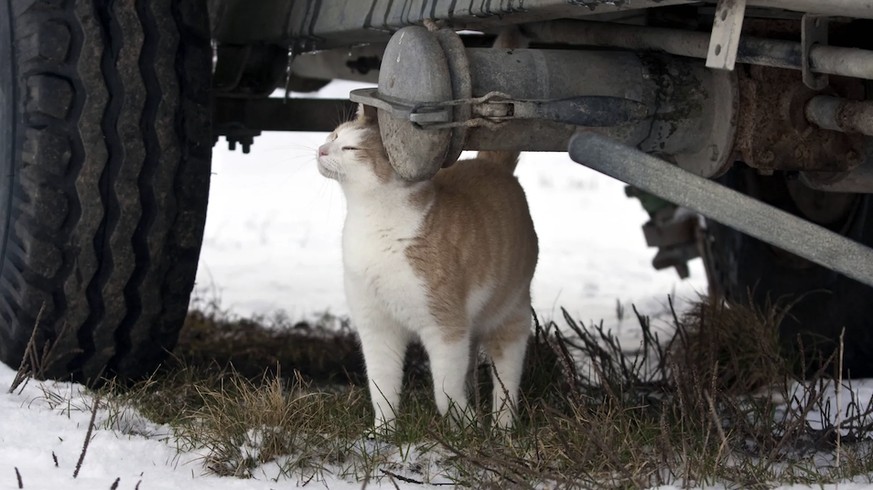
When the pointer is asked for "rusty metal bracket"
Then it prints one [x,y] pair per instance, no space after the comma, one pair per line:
[813,31]
[726,30]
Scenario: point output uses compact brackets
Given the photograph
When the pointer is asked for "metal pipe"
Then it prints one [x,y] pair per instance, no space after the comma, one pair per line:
[831,60]
[837,114]
[847,62]
[724,205]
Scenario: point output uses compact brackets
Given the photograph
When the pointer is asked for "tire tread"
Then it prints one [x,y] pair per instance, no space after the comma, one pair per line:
[104,186]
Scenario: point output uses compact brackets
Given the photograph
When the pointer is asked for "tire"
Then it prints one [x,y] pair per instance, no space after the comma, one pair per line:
[105,149]
[743,268]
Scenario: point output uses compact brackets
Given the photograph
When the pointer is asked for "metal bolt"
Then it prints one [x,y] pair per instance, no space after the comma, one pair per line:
[767,156]
[246,142]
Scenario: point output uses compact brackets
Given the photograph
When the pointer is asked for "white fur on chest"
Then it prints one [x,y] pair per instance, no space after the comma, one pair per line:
[378,274]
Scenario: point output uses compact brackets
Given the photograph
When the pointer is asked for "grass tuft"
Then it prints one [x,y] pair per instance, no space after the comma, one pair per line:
[715,401]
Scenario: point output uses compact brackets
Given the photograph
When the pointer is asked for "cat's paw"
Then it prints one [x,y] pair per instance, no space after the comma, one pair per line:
[505,418]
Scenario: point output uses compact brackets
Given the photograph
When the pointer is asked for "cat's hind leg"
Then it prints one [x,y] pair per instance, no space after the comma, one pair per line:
[506,347]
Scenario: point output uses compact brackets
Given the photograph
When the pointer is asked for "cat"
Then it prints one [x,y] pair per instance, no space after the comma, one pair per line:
[449,260]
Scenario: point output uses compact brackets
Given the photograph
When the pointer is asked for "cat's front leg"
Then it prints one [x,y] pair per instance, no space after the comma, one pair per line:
[384,344]
[450,359]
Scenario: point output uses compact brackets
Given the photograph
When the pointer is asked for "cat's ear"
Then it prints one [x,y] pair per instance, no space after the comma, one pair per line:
[366,114]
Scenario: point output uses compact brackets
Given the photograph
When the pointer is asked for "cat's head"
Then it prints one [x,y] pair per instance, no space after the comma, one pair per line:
[353,152]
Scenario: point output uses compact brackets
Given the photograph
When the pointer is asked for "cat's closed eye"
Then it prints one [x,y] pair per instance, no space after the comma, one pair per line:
[350,148]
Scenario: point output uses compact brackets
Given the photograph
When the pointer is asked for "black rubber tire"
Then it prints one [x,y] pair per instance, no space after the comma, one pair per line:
[105,149]
[745,268]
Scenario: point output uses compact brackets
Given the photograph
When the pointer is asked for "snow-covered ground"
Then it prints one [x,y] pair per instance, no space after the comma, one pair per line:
[43,427]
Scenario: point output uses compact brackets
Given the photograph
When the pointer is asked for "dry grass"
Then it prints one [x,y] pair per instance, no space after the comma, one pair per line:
[716,404]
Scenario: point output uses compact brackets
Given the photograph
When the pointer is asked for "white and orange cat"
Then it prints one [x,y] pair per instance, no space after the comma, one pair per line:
[448,261]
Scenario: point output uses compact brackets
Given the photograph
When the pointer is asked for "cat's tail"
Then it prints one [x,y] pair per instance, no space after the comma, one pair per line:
[509,38]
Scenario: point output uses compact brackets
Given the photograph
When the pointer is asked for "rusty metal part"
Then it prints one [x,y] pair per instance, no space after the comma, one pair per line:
[429,84]
[773,133]
[534,100]
[729,207]
[697,116]
[838,114]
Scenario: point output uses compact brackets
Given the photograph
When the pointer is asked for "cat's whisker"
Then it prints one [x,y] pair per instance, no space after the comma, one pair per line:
[340,115]
[350,113]
[306,157]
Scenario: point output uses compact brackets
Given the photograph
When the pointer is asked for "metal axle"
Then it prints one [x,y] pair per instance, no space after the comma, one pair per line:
[436,98]
[724,205]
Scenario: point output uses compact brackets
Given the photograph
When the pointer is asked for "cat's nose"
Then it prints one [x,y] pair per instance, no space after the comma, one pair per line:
[322,150]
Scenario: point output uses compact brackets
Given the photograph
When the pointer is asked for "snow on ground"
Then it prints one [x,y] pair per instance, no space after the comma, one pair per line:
[47,422]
